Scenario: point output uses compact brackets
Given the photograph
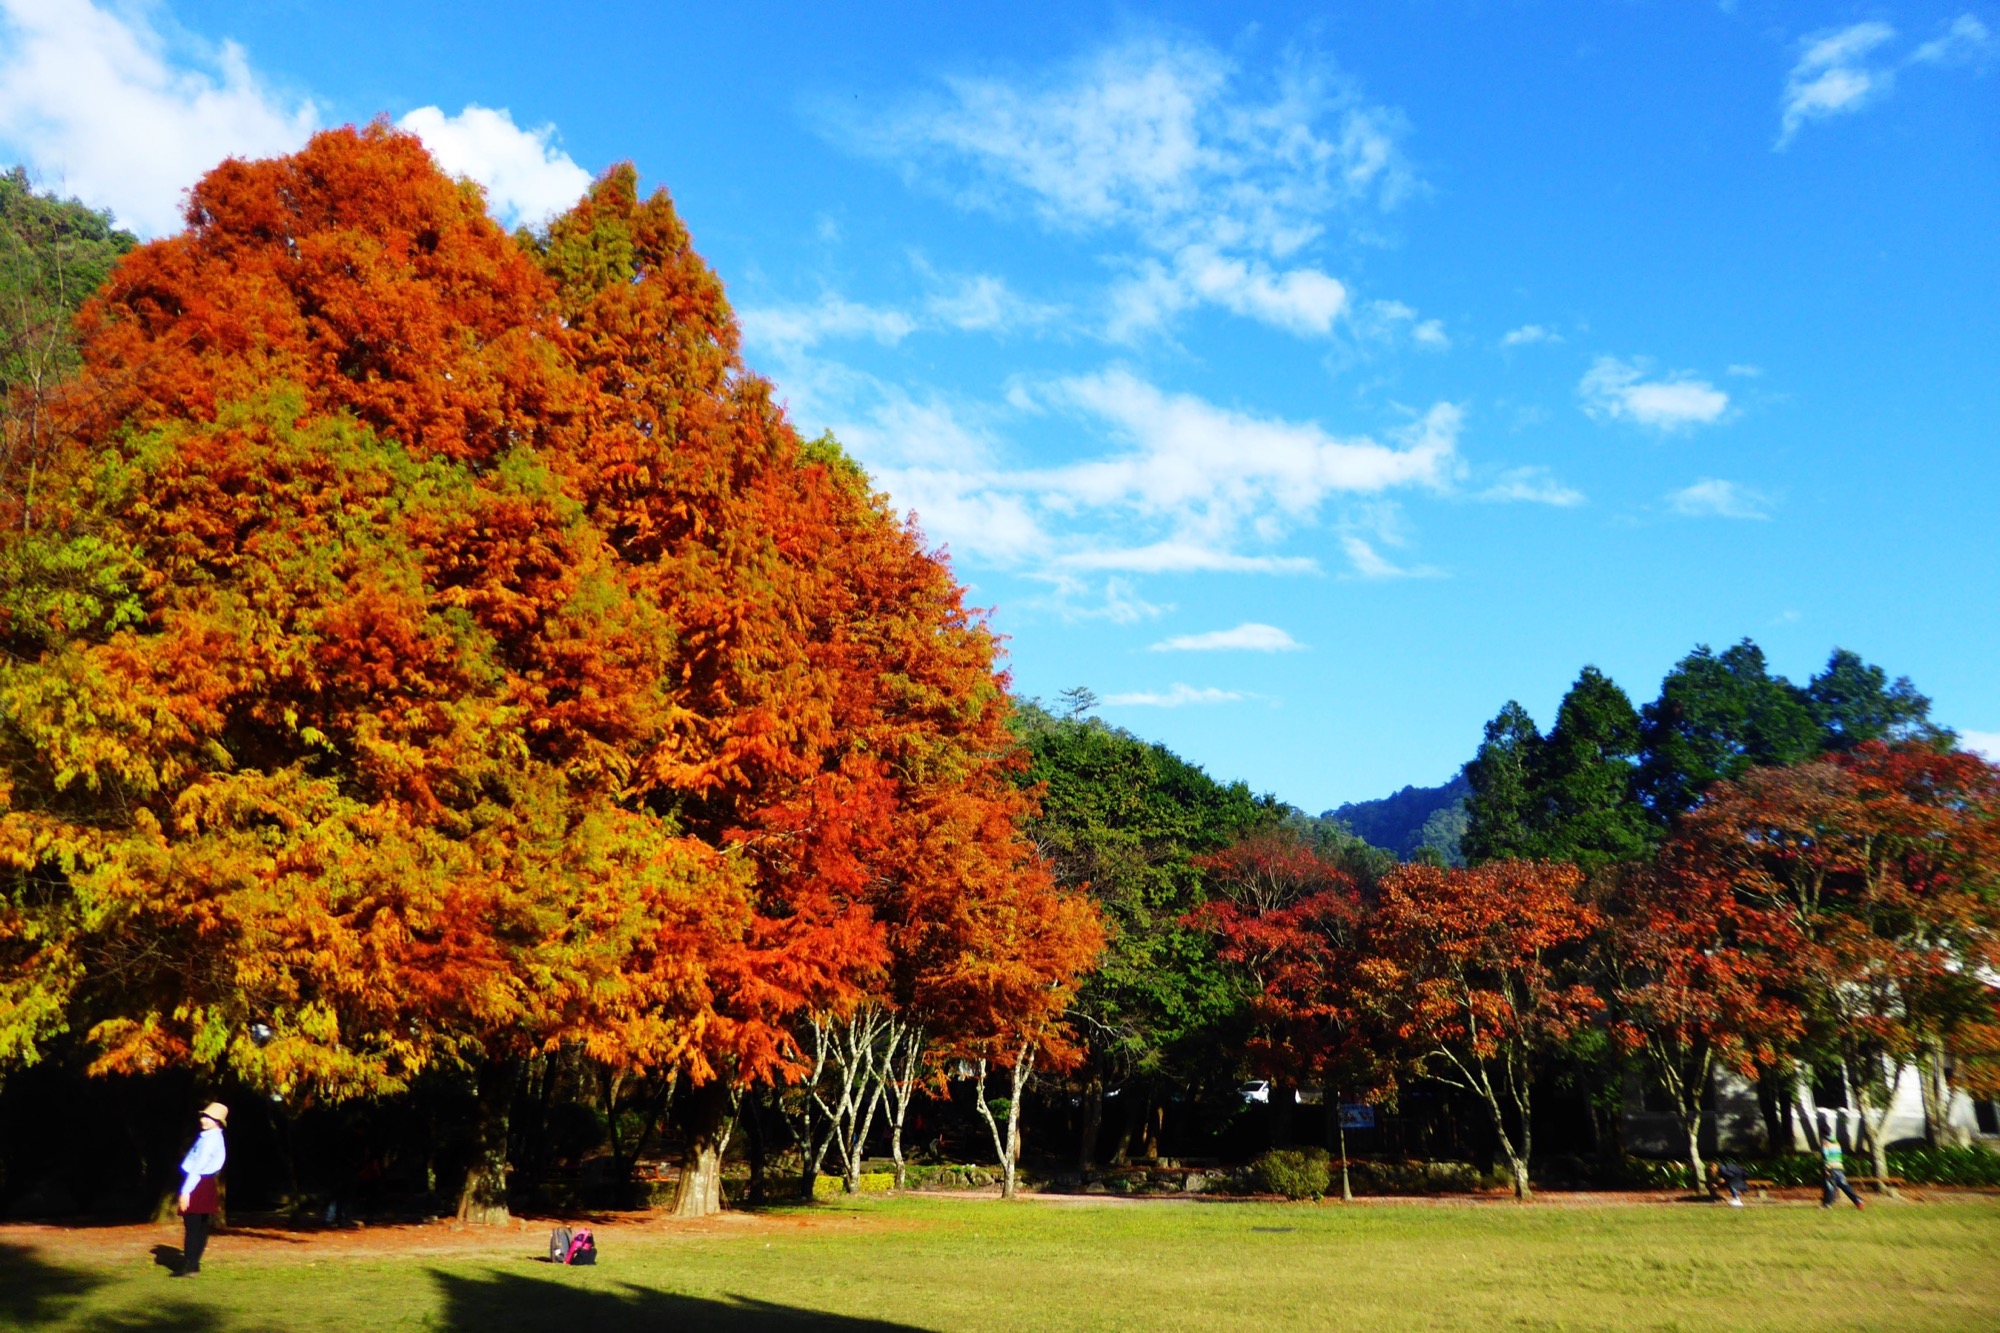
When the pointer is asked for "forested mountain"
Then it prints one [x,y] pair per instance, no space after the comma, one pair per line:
[1411,820]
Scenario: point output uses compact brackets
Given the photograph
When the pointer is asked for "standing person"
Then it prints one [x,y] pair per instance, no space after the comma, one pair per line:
[198,1194]
[1836,1172]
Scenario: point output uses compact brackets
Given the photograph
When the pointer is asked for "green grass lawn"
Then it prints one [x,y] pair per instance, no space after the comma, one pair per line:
[915,1263]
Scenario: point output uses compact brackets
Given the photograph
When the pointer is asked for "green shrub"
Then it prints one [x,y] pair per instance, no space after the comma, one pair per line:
[1945,1166]
[1369,1177]
[948,1176]
[1296,1173]
[1917,1165]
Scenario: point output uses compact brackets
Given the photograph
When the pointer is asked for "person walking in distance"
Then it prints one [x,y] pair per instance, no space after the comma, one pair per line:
[198,1194]
[1836,1172]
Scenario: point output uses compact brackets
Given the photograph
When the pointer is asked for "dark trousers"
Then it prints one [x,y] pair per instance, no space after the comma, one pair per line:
[194,1239]
[1837,1180]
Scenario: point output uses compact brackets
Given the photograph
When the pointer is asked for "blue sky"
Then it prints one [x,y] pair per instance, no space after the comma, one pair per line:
[1306,381]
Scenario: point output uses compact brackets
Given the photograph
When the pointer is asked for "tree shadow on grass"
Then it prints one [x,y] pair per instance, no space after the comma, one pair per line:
[505,1301]
[35,1293]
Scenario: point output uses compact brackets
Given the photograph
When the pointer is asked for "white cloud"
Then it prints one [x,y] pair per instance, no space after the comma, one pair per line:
[1249,637]
[981,303]
[794,328]
[984,303]
[1714,498]
[1529,334]
[101,105]
[1221,178]
[1079,599]
[1215,469]
[1615,390]
[1173,557]
[1186,486]
[1966,40]
[1531,485]
[527,178]
[1163,136]
[1390,321]
[1744,371]
[1300,300]
[1176,696]
[1986,743]
[1843,70]
[1369,563]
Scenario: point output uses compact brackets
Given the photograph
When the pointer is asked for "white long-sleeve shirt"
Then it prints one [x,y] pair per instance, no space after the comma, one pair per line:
[204,1159]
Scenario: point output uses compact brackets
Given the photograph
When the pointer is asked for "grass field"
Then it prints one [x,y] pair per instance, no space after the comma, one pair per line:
[914,1263]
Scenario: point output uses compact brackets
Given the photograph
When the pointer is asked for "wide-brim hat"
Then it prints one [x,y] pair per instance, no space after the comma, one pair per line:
[217,1112]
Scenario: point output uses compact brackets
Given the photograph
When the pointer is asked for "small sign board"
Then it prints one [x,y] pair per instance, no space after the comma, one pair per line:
[1353,1115]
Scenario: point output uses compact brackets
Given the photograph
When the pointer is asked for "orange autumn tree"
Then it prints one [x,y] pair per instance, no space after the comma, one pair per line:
[417,652]
[1477,975]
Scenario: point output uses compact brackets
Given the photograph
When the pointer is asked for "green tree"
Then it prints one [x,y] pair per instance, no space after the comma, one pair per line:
[1126,820]
[1586,809]
[1718,715]
[1564,797]
[1853,703]
[53,254]
[1500,812]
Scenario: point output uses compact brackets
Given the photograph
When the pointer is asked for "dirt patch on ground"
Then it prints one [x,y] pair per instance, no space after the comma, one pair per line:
[271,1240]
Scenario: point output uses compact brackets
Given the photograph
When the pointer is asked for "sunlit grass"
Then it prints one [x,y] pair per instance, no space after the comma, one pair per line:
[955,1264]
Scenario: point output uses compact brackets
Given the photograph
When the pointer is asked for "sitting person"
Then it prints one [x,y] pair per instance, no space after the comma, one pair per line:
[1734,1178]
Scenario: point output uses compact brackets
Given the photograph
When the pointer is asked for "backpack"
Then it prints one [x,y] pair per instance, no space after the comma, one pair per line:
[559,1240]
[582,1247]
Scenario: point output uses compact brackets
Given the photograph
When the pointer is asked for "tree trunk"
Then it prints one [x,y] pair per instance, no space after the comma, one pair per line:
[1775,1108]
[864,1075]
[1278,1121]
[902,1082]
[483,1200]
[1127,1127]
[1093,1122]
[1007,1147]
[708,1111]
[1808,1119]
[1935,1081]
[1873,1122]
[755,1127]
[1330,1098]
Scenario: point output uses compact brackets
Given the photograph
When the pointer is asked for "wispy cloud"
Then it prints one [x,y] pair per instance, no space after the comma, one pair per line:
[527,177]
[1986,743]
[1183,485]
[1249,637]
[1214,469]
[1180,557]
[102,105]
[1531,485]
[1370,563]
[974,303]
[1175,696]
[1713,498]
[1395,321]
[1528,335]
[1963,42]
[797,327]
[1301,300]
[1843,70]
[1222,178]
[1615,390]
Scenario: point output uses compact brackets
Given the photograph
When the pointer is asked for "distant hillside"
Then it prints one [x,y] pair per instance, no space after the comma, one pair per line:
[1412,819]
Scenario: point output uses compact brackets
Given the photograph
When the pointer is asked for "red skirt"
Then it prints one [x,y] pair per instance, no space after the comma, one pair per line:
[202,1200]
